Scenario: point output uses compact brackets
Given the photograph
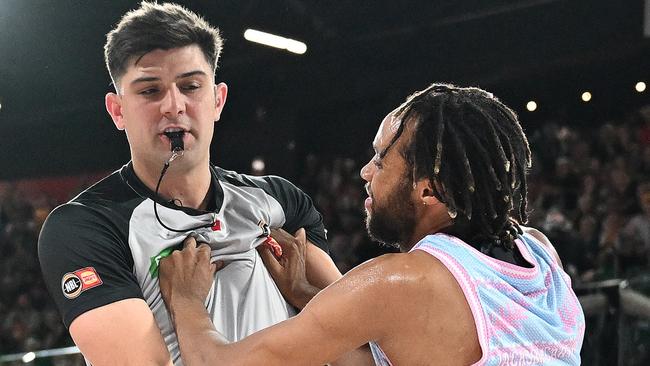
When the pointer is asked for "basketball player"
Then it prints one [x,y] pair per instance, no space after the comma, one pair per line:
[448,186]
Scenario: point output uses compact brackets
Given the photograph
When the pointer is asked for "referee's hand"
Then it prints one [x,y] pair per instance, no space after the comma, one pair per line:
[186,275]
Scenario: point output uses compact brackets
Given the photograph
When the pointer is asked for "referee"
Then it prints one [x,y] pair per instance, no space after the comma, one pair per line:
[99,252]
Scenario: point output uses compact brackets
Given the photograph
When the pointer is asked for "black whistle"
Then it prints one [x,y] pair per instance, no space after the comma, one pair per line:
[176,139]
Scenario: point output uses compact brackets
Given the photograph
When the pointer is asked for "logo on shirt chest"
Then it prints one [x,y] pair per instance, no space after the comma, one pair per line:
[74,283]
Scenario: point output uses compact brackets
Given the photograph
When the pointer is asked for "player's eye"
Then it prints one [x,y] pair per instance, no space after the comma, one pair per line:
[377,162]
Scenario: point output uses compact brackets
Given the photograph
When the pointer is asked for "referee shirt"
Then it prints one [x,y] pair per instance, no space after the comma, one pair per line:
[105,244]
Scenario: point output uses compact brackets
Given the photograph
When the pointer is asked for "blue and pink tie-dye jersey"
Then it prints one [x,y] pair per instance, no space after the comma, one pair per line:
[523,316]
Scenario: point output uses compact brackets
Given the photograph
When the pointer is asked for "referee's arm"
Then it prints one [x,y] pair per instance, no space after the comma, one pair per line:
[120,333]
[299,213]
[110,322]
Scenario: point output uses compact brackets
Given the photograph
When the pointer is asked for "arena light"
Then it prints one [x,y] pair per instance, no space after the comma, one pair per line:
[586,96]
[272,40]
[258,165]
[29,357]
[531,106]
[640,87]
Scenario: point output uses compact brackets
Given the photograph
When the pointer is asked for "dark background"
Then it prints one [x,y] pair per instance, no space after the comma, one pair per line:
[363,59]
[312,118]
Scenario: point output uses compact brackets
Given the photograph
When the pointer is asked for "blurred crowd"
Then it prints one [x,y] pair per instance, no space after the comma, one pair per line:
[589,191]
[28,317]
[590,194]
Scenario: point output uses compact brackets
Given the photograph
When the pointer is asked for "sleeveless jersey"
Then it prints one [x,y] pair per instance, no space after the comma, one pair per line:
[523,316]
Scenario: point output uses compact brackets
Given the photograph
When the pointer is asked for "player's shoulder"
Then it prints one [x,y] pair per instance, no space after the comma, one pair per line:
[536,234]
[408,273]
[540,238]
[543,240]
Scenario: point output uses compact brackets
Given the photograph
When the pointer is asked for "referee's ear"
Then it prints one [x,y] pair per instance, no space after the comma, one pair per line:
[220,94]
[113,104]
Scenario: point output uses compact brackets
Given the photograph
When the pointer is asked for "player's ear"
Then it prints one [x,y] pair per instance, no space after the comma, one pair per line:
[425,192]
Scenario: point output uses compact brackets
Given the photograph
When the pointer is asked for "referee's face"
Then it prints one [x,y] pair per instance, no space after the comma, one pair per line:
[168,90]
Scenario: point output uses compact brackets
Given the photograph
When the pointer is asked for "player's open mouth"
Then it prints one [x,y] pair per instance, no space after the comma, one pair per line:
[368,203]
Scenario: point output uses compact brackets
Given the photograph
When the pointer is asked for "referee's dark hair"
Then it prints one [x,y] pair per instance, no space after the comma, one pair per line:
[474,152]
[158,26]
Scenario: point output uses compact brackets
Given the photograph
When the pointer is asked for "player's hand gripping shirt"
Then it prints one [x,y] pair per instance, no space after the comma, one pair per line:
[104,246]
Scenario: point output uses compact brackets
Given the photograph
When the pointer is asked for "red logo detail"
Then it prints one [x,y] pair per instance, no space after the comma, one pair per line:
[216,226]
[89,278]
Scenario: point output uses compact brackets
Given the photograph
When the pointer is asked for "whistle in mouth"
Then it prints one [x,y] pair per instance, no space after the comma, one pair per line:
[176,139]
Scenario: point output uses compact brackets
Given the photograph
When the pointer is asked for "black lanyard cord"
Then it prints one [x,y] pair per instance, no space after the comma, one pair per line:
[175,154]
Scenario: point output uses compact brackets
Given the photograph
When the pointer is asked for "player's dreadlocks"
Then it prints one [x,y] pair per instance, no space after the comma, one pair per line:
[474,151]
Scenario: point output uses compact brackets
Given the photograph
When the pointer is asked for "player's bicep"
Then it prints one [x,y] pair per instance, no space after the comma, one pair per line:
[321,270]
[129,335]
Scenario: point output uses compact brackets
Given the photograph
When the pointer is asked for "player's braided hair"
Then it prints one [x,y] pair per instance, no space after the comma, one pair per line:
[476,155]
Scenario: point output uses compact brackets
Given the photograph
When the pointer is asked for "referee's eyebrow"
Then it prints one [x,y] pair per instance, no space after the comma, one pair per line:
[188,74]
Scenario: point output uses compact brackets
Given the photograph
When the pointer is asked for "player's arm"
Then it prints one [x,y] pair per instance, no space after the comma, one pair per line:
[288,272]
[122,333]
[335,322]
[291,271]
[321,270]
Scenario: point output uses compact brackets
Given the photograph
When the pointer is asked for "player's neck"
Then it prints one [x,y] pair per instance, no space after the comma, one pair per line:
[429,223]
[185,187]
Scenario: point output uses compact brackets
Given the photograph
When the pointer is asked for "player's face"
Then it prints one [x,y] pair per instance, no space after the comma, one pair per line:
[168,90]
[390,208]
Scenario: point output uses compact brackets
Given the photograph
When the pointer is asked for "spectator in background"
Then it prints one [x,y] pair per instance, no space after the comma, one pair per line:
[643,168]
[644,129]
[26,322]
[565,185]
[618,191]
[607,145]
[634,242]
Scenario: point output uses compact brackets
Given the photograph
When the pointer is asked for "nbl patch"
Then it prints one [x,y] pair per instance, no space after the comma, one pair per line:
[74,283]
